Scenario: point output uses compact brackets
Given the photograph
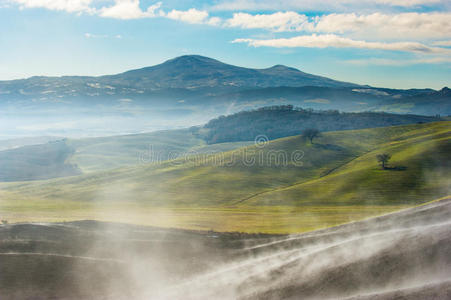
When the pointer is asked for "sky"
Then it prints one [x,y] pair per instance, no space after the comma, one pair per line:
[383,43]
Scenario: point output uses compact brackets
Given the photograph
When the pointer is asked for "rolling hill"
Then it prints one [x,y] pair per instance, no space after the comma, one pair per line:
[68,157]
[282,121]
[218,135]
[232,191]
[34,162]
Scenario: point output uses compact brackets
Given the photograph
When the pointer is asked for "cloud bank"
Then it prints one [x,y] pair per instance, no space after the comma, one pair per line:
[121,10]
[60,5]
[324,5]
[376,25]
[425,33]
[332,40]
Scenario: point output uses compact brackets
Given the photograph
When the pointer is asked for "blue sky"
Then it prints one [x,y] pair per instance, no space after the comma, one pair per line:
[389,43]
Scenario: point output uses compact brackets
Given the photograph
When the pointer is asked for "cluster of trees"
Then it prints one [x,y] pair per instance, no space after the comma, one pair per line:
[286,120]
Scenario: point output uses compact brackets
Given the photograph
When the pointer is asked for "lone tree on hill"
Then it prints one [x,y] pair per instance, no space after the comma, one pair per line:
[311,133]
[383,159]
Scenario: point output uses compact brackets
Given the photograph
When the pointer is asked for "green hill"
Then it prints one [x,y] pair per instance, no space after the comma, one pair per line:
[287,185]
[93,154]
[86,155]
[67,157]
[37,162]
[103,153]
[285,120]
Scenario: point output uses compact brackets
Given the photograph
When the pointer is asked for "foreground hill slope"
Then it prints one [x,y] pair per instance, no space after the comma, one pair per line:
[403,255]
[397,255]
[420,168]
[298,185]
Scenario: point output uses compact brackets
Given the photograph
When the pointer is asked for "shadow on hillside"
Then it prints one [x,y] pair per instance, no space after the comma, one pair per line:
[331,147]
[396,168]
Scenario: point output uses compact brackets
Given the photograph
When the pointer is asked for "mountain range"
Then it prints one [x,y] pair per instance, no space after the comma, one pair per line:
[191,72]
[190,90]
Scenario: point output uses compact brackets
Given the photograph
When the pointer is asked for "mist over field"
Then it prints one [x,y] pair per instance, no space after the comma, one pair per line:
[156,200]
[227,149]
[404,254]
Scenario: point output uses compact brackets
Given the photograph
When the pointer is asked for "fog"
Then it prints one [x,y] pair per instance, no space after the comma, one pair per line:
[398,253]
[80,121]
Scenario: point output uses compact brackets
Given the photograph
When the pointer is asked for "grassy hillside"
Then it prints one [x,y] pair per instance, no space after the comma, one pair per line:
[94,154]
[75,156]
[111,152]
[288,185]
[37,162]
[419,170]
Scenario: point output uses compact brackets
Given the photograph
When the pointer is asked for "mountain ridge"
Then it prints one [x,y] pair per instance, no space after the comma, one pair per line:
[186,91]
[200,71]
[188,70]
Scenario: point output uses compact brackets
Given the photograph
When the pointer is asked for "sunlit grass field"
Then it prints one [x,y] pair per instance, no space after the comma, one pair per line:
[338,180]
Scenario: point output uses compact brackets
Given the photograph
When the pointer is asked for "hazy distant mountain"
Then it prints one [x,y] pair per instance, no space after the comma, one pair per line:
[194,72]
[184,91]
[7,144]
[190,72]
[427,102]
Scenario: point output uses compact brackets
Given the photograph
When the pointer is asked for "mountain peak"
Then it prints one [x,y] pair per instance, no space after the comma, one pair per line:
[279,67]
[197,71]
[282,68]
[192,59]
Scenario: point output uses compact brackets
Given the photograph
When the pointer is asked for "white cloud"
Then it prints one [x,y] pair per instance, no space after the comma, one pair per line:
[101,36]
[323,5]
[408,3]
[377,26]
[331,40]
[442,43]
[122,9]
[91,36]
[128,9]
[387,26]
[214,21]
[61,5]
[192,16]
[279,21]
[399,62]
